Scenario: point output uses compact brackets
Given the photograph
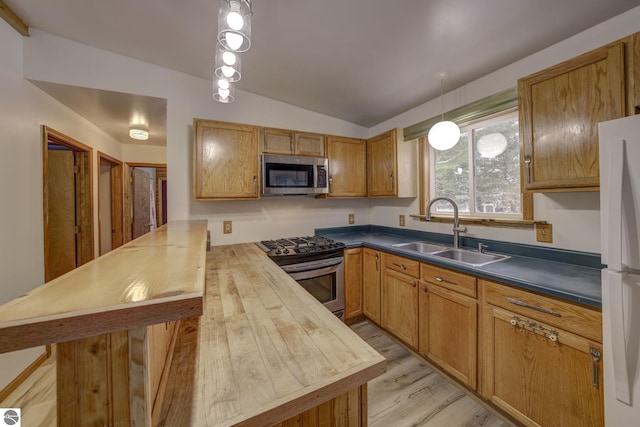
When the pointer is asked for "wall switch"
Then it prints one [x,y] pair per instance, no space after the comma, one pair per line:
[401,220]
[352,218]
[544,233]
[227,227]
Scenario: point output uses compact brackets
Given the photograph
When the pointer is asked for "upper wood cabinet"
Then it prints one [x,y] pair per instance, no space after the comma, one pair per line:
[392,166]
[560,108]
[282,141]
[347,166]
[225,160]
[352,283]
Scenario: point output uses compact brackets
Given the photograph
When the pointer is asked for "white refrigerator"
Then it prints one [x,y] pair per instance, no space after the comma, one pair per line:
[620,237]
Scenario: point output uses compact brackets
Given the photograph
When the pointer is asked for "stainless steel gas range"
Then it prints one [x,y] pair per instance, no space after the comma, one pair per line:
[316,263]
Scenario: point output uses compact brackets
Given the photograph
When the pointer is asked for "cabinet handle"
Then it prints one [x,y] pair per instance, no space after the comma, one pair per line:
[527,162]
[377,262]
[533,307]
[402,266]
[392,181]
[255,184]
[442,279]
[424,288]
[595,354]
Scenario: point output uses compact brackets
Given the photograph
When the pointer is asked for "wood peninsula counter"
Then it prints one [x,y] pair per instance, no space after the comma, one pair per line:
[265,352]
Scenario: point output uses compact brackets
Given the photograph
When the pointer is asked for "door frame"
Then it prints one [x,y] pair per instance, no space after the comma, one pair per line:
[85,175]
[117,238]
[127,193]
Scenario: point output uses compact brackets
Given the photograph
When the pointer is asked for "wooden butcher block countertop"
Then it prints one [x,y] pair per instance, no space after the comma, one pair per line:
[156,278]
[264,349]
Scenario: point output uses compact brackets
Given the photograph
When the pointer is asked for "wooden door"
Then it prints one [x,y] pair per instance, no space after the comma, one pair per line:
[352,283]
[381,165]
[559,110]
[448,331]
[538,380]
[141,185]
[61,215]
[400,306]
[226,160]
[347,167]
[371,279]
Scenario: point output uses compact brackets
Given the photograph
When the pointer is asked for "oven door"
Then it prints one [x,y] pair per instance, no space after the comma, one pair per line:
[324,279]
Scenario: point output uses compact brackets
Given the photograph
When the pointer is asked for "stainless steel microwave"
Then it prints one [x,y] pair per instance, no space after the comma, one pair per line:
[290,175]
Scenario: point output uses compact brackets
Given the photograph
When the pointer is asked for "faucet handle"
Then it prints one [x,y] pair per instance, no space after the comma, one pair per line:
[481,247]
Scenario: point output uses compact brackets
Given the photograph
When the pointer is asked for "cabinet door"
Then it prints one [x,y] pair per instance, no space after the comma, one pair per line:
[226,160]
[448,330]
[537,380]
[371,276]
[400,306]
[560,109]
[309,144]
[277,141]
[382,165]
[347,167]
[352,282]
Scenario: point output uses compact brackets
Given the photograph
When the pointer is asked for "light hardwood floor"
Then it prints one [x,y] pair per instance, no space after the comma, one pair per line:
[408,394]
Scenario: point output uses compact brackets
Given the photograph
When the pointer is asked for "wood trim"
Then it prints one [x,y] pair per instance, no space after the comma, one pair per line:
[487,222]
[156,411]
[12,19]
[19,379]
[86,235]
[117,197]
[146,165]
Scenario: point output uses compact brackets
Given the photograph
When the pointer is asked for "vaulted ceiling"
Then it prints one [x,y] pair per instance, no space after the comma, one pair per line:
[363,61]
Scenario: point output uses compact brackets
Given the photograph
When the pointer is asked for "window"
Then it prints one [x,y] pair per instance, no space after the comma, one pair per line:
[482,172]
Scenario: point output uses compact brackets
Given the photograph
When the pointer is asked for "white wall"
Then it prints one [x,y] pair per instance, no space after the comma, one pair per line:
[575,216]
[54,59]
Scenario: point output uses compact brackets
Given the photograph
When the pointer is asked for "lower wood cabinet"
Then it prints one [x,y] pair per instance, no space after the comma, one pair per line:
[352,283]
[400,305]
[371,281]
[448,327]
[541,374]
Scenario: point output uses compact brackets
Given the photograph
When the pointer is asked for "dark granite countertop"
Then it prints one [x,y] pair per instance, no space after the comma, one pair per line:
[570,275]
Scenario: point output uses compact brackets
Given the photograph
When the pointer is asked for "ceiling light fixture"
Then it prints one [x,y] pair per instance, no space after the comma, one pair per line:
[139,134]
[445,134]
[234,37]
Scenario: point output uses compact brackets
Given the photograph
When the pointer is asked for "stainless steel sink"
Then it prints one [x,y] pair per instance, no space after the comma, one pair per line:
[475,259]
[421,247]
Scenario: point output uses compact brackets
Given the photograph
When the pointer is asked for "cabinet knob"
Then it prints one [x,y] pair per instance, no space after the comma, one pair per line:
[424,288]
[413,284]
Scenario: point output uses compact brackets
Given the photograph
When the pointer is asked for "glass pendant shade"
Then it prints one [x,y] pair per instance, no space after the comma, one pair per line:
[444,135]
[222,91]
[234,25]
[227,64]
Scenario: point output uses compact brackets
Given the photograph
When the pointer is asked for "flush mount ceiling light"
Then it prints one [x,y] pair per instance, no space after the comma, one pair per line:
[234,37]
[491,145]
[139,134]
[444,134]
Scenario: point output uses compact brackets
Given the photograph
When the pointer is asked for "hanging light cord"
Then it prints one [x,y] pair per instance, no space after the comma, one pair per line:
[442,99]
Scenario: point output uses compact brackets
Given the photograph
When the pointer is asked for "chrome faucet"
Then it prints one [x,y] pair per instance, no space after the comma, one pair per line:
[456,220]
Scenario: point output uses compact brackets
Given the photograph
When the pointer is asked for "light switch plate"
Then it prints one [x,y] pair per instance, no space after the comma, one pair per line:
[227,227]
[352,218]
[544,233]
[401,220]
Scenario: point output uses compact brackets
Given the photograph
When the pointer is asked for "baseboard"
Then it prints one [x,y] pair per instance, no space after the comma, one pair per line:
[10,388]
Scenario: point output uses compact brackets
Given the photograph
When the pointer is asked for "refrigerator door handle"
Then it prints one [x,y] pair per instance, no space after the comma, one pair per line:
[613,193]
[617,333]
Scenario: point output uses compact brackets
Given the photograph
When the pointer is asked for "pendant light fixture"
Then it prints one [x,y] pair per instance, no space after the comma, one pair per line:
[444,134]
[234,37]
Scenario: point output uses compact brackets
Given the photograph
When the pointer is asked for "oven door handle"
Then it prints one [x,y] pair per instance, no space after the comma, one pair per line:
[312,266]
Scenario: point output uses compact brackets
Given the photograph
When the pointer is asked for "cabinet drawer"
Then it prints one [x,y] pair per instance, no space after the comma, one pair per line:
[458,282]
[407,266]
[570,317]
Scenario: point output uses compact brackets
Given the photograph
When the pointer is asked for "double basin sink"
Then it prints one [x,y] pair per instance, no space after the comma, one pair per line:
[464,256]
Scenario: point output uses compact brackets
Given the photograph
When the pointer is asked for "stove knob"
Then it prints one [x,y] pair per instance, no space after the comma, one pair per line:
[278,252]
[286,251]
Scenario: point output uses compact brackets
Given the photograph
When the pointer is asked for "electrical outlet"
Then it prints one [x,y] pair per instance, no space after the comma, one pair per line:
[544,233]
[227,227]
[352,218]
[401,220]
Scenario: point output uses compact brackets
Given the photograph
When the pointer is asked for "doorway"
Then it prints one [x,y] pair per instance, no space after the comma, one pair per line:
[110,234]
[145,198]
[67,203]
